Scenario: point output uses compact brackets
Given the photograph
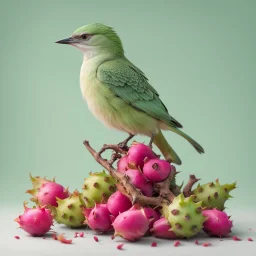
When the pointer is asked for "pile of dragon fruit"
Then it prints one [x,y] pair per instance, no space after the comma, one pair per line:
[100,206]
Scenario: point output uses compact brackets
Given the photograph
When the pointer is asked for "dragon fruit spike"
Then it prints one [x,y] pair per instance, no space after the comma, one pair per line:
[37,182]
[118,203]
[184,216]
[69,210]
[99,219]
[63,240]
[98,187]
[35,221]
[156,170]
[152,216]
[217,223]
[86,211]
[138,153]
[139,180]
[131,225]
[213,195]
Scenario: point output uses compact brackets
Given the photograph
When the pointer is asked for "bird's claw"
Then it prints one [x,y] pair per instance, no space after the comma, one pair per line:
[122,145]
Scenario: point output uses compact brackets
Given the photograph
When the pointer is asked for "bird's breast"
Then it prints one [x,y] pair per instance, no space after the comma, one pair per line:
[96,94]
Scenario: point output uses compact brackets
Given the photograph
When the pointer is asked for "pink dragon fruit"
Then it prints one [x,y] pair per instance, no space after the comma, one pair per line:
[49,192]
[122,164]
[139,180]
[45,191]
[156,170]
[99,218]
[217,223]
[118,203]
[35,221]
[131,225]
[138,153]
[161,229]
[151,214]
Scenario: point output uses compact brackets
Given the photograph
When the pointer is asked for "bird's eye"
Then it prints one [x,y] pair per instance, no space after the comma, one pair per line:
[84,36]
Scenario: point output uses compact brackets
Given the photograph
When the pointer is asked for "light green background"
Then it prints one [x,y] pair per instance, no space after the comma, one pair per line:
[199,55]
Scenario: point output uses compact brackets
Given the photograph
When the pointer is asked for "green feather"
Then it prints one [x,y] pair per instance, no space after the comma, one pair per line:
[130,84]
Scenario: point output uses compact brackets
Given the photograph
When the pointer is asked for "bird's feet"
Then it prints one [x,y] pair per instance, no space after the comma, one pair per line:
[151,141]
[123,144]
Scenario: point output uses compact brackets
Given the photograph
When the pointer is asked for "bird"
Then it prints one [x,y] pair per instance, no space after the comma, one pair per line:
[119,94]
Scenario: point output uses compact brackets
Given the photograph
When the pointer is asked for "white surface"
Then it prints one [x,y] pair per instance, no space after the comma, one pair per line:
[31,246]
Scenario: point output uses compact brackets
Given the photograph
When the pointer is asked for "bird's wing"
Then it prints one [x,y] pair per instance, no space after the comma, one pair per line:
[129,83]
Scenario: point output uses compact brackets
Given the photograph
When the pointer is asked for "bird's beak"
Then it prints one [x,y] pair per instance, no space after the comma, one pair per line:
[69,40]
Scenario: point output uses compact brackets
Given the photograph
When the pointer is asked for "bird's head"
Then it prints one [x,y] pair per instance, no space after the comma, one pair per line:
[95,37]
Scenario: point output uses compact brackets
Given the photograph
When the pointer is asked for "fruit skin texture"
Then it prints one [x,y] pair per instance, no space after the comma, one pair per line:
[69,211]
[97,188]
[131,225]
[45,192]
[156,170]
[161,229]
[139,180]
[217,223]
[118,203]
[99,219]
[122,164]
[35,221]
[137,153]
[184,216]
[213,195]
[152,215]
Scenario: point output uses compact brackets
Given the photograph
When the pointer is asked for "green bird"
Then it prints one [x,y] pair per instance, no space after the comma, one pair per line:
[118,93]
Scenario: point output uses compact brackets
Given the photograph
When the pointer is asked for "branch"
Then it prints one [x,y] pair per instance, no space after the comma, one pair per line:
[114,147]
[187,189]
[163,188]
[130,190]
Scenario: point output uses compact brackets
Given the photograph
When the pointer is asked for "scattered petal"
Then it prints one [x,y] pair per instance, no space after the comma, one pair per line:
[62,239]
[154,244]
[196,242]
[235,238]
[112,237]
[54,236]
[96,238]
[81,234]
[206,244]
[176,243]
[120,246]
[17,237]
[250,239]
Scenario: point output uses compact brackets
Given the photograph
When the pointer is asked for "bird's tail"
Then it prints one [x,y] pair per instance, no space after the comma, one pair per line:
[197,146]
[166,149]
